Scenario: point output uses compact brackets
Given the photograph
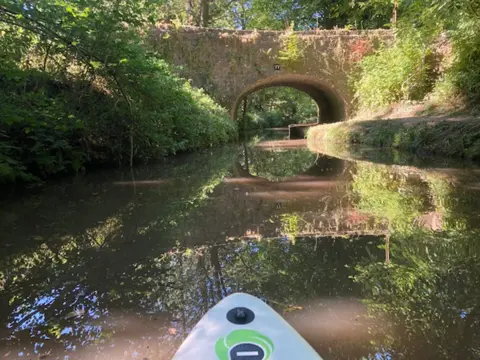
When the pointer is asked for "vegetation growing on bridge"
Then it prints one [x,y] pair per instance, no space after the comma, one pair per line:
[78,87]
[292,52]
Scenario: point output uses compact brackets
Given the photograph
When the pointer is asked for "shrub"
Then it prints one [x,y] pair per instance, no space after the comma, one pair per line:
[400,72]
[407,71]
[466,68]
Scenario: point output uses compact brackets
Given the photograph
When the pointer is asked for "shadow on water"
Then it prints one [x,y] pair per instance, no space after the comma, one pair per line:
[365,260]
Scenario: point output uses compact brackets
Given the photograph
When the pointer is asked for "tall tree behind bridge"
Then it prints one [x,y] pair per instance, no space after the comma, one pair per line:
[189,10]
[205,12]
[324,14]
[278,15]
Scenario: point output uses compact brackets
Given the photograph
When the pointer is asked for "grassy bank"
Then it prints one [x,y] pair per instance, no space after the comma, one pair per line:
[451,138]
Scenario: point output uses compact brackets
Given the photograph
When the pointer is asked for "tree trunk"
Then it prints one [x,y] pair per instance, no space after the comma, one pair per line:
[244,112]
[218,276]
[395,12]
[189,11]
[205,13]
[203,283]
[387,249]
[245,151]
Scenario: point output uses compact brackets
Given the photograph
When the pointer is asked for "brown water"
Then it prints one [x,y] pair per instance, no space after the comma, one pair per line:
[365,260]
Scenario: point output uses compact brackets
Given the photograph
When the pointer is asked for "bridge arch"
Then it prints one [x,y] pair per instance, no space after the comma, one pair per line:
[332,106]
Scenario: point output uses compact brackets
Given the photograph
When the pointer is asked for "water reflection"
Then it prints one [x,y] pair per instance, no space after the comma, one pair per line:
[365,260]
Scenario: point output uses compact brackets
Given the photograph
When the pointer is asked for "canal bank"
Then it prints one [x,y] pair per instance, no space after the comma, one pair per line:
[433,135]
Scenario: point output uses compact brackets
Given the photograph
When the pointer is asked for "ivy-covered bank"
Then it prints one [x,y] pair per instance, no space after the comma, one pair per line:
[79,87]
[453,137]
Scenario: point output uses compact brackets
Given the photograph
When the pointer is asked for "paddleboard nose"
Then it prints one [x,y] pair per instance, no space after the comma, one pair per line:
[243,327]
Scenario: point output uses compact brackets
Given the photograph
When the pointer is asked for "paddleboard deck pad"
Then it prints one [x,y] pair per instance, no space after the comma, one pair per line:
[242,327]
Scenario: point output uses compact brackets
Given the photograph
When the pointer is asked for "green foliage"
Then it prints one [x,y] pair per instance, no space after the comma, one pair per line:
[39,126]
[221,13]
[446,91]
[292,52]
[279,107]
[408,70]
[429,291]
[323,14]
[400,72]
[387,195]
[466,67]
[10,169]
[291,225]
[278,15]
[279,164]
[79,87]
[270,119]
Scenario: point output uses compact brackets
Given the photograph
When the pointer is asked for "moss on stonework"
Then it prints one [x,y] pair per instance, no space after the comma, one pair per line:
[450,138]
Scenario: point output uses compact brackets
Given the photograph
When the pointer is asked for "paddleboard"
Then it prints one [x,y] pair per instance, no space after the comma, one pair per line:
[243,327]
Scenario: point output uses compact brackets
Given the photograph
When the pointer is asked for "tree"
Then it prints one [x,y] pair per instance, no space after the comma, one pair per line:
[310,14]
[279,15]
[202,13]
[205,6]
[189,10]
[82,68]
[241,14]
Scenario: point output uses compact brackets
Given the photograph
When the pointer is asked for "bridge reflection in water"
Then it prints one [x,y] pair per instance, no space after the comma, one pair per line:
[115,266]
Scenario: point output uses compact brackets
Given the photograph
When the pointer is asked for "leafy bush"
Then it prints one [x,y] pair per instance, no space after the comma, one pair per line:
[408,69]
[466,67]
[400,72]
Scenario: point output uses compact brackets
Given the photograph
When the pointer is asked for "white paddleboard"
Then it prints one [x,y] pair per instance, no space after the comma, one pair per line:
[242,327]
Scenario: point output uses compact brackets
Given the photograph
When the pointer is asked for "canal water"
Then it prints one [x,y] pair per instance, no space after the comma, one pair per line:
[376,257]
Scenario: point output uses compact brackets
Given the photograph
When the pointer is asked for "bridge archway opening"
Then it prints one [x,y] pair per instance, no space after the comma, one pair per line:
[331,105]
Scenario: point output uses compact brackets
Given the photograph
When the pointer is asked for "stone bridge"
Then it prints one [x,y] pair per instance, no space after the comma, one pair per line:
[231,64]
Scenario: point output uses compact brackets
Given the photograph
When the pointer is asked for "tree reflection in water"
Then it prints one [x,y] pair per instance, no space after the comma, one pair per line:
[107,269]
